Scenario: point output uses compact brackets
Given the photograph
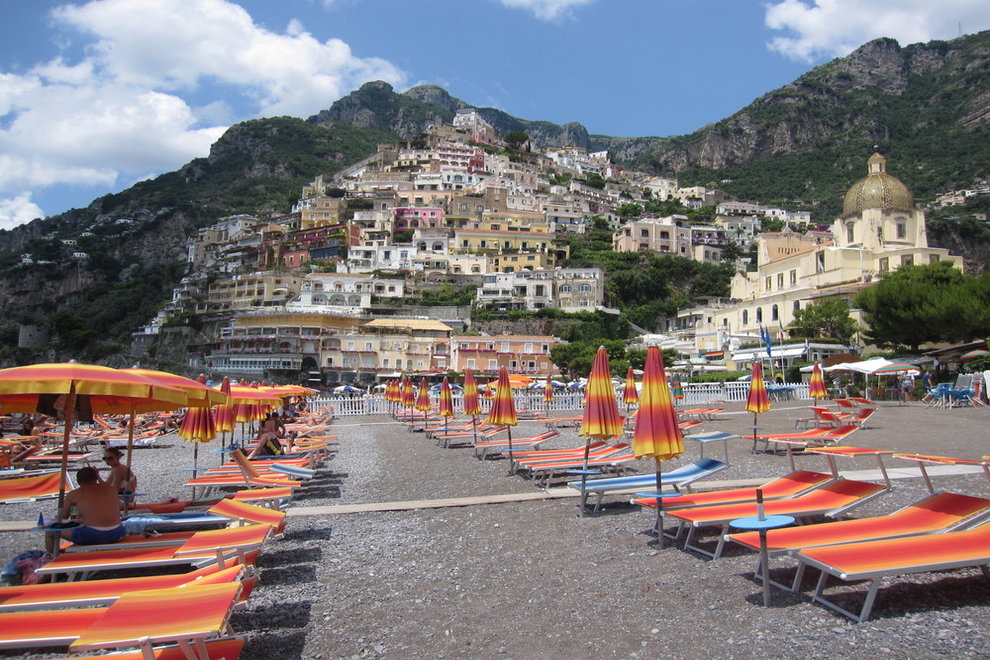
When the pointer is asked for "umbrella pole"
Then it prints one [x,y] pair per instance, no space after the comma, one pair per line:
[195,466]
[70,405]
[474,428]
[512,456]
[659,505]
[130,448]
[754,432]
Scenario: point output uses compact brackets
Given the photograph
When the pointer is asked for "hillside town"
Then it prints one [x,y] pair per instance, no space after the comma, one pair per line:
[324,290]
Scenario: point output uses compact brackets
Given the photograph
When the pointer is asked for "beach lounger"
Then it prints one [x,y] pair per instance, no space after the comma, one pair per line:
[101,593]
[187,616]
[483,449]
[874,560]
[678,478]
[215,546]
[607,457]
[831,500]
[31,488]
[789,485]
[938,513]
[820,436]
[227,648]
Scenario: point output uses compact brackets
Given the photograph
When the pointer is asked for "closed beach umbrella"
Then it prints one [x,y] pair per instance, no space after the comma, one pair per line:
[503,410]
[629,395]
[601,419]
[77,390]
[445,403]
[408,393]
[758,400]
[472,404]
[199,426]
[423,399]
[816,388]
[548,392]
[657,434]
[678,390]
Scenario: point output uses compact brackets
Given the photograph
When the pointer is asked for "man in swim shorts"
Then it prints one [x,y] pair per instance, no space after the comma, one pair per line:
[98,509]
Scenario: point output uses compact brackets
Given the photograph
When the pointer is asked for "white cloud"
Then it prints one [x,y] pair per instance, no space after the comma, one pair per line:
[18,210]
[547,10]
[818,29]
[143,97]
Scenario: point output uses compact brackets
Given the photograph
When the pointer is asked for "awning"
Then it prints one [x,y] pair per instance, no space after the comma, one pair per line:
[761,354]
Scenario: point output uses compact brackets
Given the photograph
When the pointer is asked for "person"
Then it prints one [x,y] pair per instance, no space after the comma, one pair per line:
[907,385]
[121,478]
[926,380]
[266,441]
[279,424]
[97,509]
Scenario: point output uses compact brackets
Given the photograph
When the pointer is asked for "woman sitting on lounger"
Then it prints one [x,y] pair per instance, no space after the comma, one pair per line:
[121,478]
[266,443]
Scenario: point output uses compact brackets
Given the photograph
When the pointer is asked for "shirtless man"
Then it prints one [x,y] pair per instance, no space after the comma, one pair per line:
[98,508]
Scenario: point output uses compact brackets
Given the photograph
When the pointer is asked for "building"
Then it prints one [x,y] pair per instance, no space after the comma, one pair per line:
[521,354]
[880,229]
[666,235]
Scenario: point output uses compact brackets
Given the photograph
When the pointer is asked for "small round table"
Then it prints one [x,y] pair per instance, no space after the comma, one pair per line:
[761,525]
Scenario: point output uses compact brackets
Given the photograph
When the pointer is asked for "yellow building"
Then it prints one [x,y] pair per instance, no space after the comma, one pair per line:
[879,230]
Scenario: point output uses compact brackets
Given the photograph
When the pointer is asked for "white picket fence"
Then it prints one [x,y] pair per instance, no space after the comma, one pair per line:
[695,394]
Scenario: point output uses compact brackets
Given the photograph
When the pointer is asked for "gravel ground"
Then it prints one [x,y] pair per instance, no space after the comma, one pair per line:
[520,579]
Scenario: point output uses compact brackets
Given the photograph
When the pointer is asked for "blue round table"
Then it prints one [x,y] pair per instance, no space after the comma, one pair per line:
[761,525]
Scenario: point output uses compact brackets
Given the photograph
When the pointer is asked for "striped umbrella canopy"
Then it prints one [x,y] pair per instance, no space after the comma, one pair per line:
[253,402]
[76,390]
[548,390]
[975,354]
[392,391]
[446,399]
[758,400]
[198,393]
[198,425]
[816,388]
[224,416]
[896,368]
[678,389]
[629,395]
[408,393]
[472,404]
[601,419]
[491,387]
[423,396]
[657,434]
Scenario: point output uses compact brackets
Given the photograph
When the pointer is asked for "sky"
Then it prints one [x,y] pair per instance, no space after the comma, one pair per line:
[98,95]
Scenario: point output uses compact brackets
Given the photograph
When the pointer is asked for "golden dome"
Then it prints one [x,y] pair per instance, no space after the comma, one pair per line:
[878,190]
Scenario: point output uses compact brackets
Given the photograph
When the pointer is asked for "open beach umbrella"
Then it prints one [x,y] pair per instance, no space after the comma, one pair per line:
[472,404]
[629,395]
[519,382]
[503,410]
[76,391]
[758,399]
[601,419]
[423,398]
[657,434]
[816,388]
[975,354]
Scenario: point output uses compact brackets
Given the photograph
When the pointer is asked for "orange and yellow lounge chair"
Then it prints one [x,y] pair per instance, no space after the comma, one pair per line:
[215,546]
[832,499]
[938,513]
[187,616]
[31,488]
[101,593]
[875,560]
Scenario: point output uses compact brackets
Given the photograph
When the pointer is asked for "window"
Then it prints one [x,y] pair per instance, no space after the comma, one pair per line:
[901,229]
[745,317]
[774,315]
[470,363]
[907,260]
[493,364]
[759,315]
[884,265]
[850,232]
[797,305]
[793,278]
[584,288]
[769,283]
[780,280]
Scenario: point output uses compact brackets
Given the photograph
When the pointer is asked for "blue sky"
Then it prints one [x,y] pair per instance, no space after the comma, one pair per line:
[96,95]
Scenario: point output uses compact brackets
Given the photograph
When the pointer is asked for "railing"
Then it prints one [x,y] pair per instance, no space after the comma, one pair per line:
[568,401]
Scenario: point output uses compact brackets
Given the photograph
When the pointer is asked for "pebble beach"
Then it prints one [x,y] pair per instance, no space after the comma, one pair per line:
[415,572]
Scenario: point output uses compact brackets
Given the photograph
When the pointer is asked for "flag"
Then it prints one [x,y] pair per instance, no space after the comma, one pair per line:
[767,339]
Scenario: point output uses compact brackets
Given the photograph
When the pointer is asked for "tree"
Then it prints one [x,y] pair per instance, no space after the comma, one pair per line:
[919,304]
[630,210]
[516,139]
[826,319]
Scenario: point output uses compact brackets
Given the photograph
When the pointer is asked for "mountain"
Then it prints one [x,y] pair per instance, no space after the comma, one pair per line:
[926,105]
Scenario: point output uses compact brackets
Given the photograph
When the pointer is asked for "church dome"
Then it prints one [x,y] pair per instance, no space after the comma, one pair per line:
[878,190]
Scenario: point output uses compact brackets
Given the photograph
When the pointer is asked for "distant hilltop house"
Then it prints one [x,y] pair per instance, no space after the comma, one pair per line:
[879,230]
